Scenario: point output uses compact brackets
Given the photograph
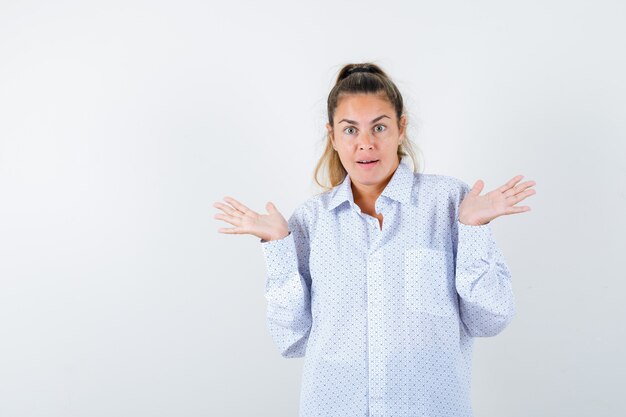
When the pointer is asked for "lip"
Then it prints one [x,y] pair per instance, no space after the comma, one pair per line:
[368,166]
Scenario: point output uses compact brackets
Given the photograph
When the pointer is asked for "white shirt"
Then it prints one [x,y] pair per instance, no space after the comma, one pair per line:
[385,318]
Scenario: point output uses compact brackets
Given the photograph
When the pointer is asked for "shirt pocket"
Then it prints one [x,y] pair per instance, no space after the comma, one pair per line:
[429,281]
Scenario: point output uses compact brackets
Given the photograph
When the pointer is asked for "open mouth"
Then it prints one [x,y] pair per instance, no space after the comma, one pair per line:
[367,162]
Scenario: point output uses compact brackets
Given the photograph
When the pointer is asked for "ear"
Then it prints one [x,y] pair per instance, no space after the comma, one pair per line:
[329,129]
[403,123]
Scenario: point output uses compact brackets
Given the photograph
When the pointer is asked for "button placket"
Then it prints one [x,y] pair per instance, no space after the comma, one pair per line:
[375,331]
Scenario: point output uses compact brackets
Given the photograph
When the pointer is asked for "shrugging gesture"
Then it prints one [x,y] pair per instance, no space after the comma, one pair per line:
[271,226]
[476,209]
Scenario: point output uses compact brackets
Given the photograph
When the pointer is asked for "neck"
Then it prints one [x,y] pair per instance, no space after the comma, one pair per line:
[366,195]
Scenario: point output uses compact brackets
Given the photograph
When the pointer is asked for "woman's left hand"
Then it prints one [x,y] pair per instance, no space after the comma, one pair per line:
[476,209]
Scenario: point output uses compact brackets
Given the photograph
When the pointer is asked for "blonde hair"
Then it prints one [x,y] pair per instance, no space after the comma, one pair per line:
[364,78]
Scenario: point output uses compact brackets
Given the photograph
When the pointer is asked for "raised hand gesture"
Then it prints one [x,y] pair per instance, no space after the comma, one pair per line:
[476,209]
[271,226]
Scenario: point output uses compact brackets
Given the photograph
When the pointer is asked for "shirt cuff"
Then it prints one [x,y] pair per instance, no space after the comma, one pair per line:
[280,255]
[478,238]
[481,232]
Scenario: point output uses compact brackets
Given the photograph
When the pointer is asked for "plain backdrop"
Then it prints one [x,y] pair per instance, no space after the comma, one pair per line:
[122,122]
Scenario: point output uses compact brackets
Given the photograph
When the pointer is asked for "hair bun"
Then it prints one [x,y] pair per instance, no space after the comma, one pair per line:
[360,69]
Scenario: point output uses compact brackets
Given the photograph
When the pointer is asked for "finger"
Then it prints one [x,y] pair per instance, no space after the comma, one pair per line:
[237,204]
[525,185]
[477,188]
[234,220]
[519,188]
[510,183]
[225,208]
[515,210]
[521,196]
[270,207]
[229,231]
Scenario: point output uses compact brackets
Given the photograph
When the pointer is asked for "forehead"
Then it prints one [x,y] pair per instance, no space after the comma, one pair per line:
[363,105]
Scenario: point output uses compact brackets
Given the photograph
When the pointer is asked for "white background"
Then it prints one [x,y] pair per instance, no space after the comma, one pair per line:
[121,123]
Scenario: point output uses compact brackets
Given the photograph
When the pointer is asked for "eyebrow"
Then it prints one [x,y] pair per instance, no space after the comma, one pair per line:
[373,121]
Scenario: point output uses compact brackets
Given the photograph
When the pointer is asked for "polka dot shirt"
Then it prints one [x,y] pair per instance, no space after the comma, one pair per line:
[385,317]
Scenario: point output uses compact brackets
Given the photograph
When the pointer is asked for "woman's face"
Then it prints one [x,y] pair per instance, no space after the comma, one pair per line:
[366,129]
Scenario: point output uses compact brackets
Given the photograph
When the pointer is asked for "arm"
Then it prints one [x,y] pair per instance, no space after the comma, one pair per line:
[287,288]
[483,280]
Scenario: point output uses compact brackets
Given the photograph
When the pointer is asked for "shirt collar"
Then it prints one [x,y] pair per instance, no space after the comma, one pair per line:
[398,189]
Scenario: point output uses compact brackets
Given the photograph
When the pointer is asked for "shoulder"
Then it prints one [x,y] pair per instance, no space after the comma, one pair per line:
[309,210]
[443,185]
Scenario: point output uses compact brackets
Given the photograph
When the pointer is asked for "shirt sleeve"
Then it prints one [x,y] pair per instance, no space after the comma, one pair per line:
[483,280]
[287,288]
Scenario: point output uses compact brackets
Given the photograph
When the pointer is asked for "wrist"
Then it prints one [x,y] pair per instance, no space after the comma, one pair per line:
[472,222]
[278,236]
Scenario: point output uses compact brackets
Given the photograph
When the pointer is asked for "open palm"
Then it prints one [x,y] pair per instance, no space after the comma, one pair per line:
[271,226]
[478,210]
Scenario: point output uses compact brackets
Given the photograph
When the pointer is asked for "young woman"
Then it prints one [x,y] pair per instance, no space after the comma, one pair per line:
[383,279]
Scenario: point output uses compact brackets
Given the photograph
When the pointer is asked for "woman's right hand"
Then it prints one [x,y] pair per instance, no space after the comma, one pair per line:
[271,226]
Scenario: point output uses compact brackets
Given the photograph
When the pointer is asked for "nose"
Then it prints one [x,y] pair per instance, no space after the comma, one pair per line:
[365,141]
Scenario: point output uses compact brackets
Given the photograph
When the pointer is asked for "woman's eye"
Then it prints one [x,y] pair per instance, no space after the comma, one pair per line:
[380,130]
[347,128]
